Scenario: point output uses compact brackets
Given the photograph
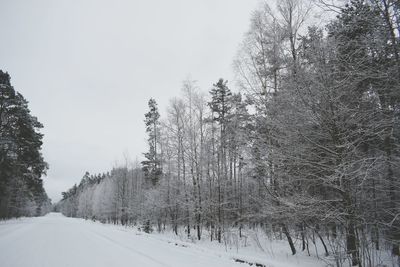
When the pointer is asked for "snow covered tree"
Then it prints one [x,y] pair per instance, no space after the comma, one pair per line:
[220,106]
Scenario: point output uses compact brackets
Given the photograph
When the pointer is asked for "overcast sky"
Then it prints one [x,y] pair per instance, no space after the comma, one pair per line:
[88,68]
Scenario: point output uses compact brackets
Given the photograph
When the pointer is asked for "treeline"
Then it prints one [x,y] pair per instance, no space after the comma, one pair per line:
[21,161]
[113,197]
[309,151]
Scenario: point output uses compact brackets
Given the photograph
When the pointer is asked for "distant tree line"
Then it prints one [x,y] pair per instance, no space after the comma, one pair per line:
[21,161]
[309,151]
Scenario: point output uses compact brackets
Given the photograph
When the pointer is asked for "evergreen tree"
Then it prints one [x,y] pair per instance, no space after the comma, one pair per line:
[152,165]
[21,161]
[367,55]
[220,106]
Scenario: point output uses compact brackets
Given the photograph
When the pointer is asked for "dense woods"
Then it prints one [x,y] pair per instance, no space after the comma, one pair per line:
[308,150]
[21,161]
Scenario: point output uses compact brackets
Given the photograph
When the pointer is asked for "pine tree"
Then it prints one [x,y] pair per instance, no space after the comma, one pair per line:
[220,106]
[21,161]
[152,165]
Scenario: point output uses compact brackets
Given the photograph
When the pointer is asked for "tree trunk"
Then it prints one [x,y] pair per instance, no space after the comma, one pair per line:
[289,238]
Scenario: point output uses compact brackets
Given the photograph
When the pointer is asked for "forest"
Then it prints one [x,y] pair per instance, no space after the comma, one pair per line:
[305,145]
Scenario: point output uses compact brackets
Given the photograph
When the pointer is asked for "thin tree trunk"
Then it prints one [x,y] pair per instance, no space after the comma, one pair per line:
[289,238]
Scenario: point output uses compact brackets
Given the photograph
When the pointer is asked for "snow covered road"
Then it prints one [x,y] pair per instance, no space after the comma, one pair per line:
[57,241]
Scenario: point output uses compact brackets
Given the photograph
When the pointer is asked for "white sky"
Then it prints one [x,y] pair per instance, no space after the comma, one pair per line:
[88,68]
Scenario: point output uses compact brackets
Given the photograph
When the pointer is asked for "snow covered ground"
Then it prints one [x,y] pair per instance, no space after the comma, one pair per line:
[55,240]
